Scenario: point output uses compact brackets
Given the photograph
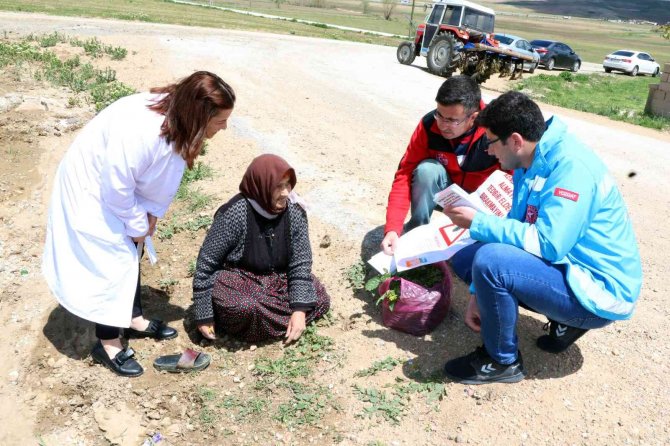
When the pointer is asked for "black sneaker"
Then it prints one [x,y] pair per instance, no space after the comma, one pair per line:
[479,368]
[560,337]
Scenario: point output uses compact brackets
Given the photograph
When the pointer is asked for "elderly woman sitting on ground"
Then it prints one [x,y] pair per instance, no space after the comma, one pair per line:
[253,277]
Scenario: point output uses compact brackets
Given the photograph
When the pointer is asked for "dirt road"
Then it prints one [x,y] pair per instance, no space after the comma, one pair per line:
[341,113]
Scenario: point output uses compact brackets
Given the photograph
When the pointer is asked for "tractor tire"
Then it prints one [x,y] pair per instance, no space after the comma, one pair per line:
[550,64]
[608,70]
[576,66]
[634,71]
[442,56]
[656,73]
[405,53]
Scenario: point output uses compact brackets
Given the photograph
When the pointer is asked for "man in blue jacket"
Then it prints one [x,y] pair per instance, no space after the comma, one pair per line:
[566,249]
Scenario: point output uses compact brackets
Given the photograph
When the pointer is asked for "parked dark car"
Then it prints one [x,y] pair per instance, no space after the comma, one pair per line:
[556,55]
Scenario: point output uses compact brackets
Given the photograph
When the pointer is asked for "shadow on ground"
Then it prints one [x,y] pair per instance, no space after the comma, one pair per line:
[452,338]
[74,337]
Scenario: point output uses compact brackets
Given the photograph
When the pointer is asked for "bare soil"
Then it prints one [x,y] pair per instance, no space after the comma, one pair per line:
[341,113]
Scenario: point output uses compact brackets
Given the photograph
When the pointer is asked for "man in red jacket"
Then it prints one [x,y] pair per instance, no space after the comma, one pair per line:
[446,148]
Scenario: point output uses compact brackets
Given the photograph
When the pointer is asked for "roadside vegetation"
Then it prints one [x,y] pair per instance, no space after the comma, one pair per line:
[617,97]
[33,55]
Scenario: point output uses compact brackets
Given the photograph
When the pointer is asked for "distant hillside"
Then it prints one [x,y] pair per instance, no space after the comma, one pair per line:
[652,10]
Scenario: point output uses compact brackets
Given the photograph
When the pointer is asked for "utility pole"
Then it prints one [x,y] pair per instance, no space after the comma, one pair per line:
[411,20]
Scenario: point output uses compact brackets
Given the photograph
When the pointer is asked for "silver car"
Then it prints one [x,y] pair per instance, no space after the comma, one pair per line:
[519,45]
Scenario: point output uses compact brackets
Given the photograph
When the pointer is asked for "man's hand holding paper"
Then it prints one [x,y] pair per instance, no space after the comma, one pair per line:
[461,216]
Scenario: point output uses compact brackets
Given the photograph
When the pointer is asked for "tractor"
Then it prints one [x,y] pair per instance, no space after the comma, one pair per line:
[457,35]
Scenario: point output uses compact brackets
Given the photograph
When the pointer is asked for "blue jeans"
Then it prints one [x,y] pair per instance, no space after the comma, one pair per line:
[505,277]
[429,177]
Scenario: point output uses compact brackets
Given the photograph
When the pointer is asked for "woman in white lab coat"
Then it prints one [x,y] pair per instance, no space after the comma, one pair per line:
[116,179]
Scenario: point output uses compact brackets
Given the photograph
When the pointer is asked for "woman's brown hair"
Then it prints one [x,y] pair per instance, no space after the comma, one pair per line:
[188,107]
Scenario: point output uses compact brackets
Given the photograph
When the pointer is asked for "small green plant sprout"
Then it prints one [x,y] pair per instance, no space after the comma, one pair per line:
[200,171]
[104,94]
[355,275]
[166,284]
[116,52]
[434,390]
[207,416]
[297,360]
[380,404]
[93,47]
[306,407]
[50,40]
[204,148]
[190,271]
[387,364]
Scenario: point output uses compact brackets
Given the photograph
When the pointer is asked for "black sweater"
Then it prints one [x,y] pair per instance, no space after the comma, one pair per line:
[241,238]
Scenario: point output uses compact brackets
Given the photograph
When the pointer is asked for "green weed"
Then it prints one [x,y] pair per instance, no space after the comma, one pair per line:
[106,93]
[204,148]
[93,47]
[190,271]
[169,228]
[387,364]
[71,72]
[200,171]
[116,52]
[306,407]
[393,407]
[380,404]
[207,394]
[355,275]
[296,360]
[52,39]
[208,416]
[197,201]
[197,223]
[434,391]
[166,284]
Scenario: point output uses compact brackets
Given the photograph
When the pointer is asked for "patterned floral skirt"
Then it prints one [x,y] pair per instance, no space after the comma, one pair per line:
[255,307]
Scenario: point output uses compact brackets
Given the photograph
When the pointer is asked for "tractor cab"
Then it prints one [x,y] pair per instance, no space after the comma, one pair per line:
[467,21]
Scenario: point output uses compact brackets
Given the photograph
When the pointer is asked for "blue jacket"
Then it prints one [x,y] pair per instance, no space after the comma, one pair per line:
[568,210]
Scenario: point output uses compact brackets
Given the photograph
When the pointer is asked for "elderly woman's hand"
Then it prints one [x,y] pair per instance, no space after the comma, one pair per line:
[295,327]
[207,330]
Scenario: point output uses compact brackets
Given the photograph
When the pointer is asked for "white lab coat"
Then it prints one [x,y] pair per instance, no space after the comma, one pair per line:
[117,170]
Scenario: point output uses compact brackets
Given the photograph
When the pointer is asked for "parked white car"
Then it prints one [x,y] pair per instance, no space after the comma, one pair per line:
[631,62]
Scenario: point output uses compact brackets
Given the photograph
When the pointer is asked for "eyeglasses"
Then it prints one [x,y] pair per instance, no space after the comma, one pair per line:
[450,121]
[488,143]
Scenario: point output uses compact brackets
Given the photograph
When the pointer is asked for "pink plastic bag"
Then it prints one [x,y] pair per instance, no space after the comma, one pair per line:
[418,310]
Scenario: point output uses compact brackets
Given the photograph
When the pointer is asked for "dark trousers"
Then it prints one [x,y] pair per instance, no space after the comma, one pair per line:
[106,332]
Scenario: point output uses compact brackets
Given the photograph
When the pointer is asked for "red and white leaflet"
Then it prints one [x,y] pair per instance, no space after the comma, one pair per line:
[441,239]
[494,196]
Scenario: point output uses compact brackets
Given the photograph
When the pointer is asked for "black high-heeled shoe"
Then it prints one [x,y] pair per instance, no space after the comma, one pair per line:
[156,329]
[122,364]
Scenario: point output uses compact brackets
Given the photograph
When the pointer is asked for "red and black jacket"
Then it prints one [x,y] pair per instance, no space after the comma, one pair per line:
[427,142]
